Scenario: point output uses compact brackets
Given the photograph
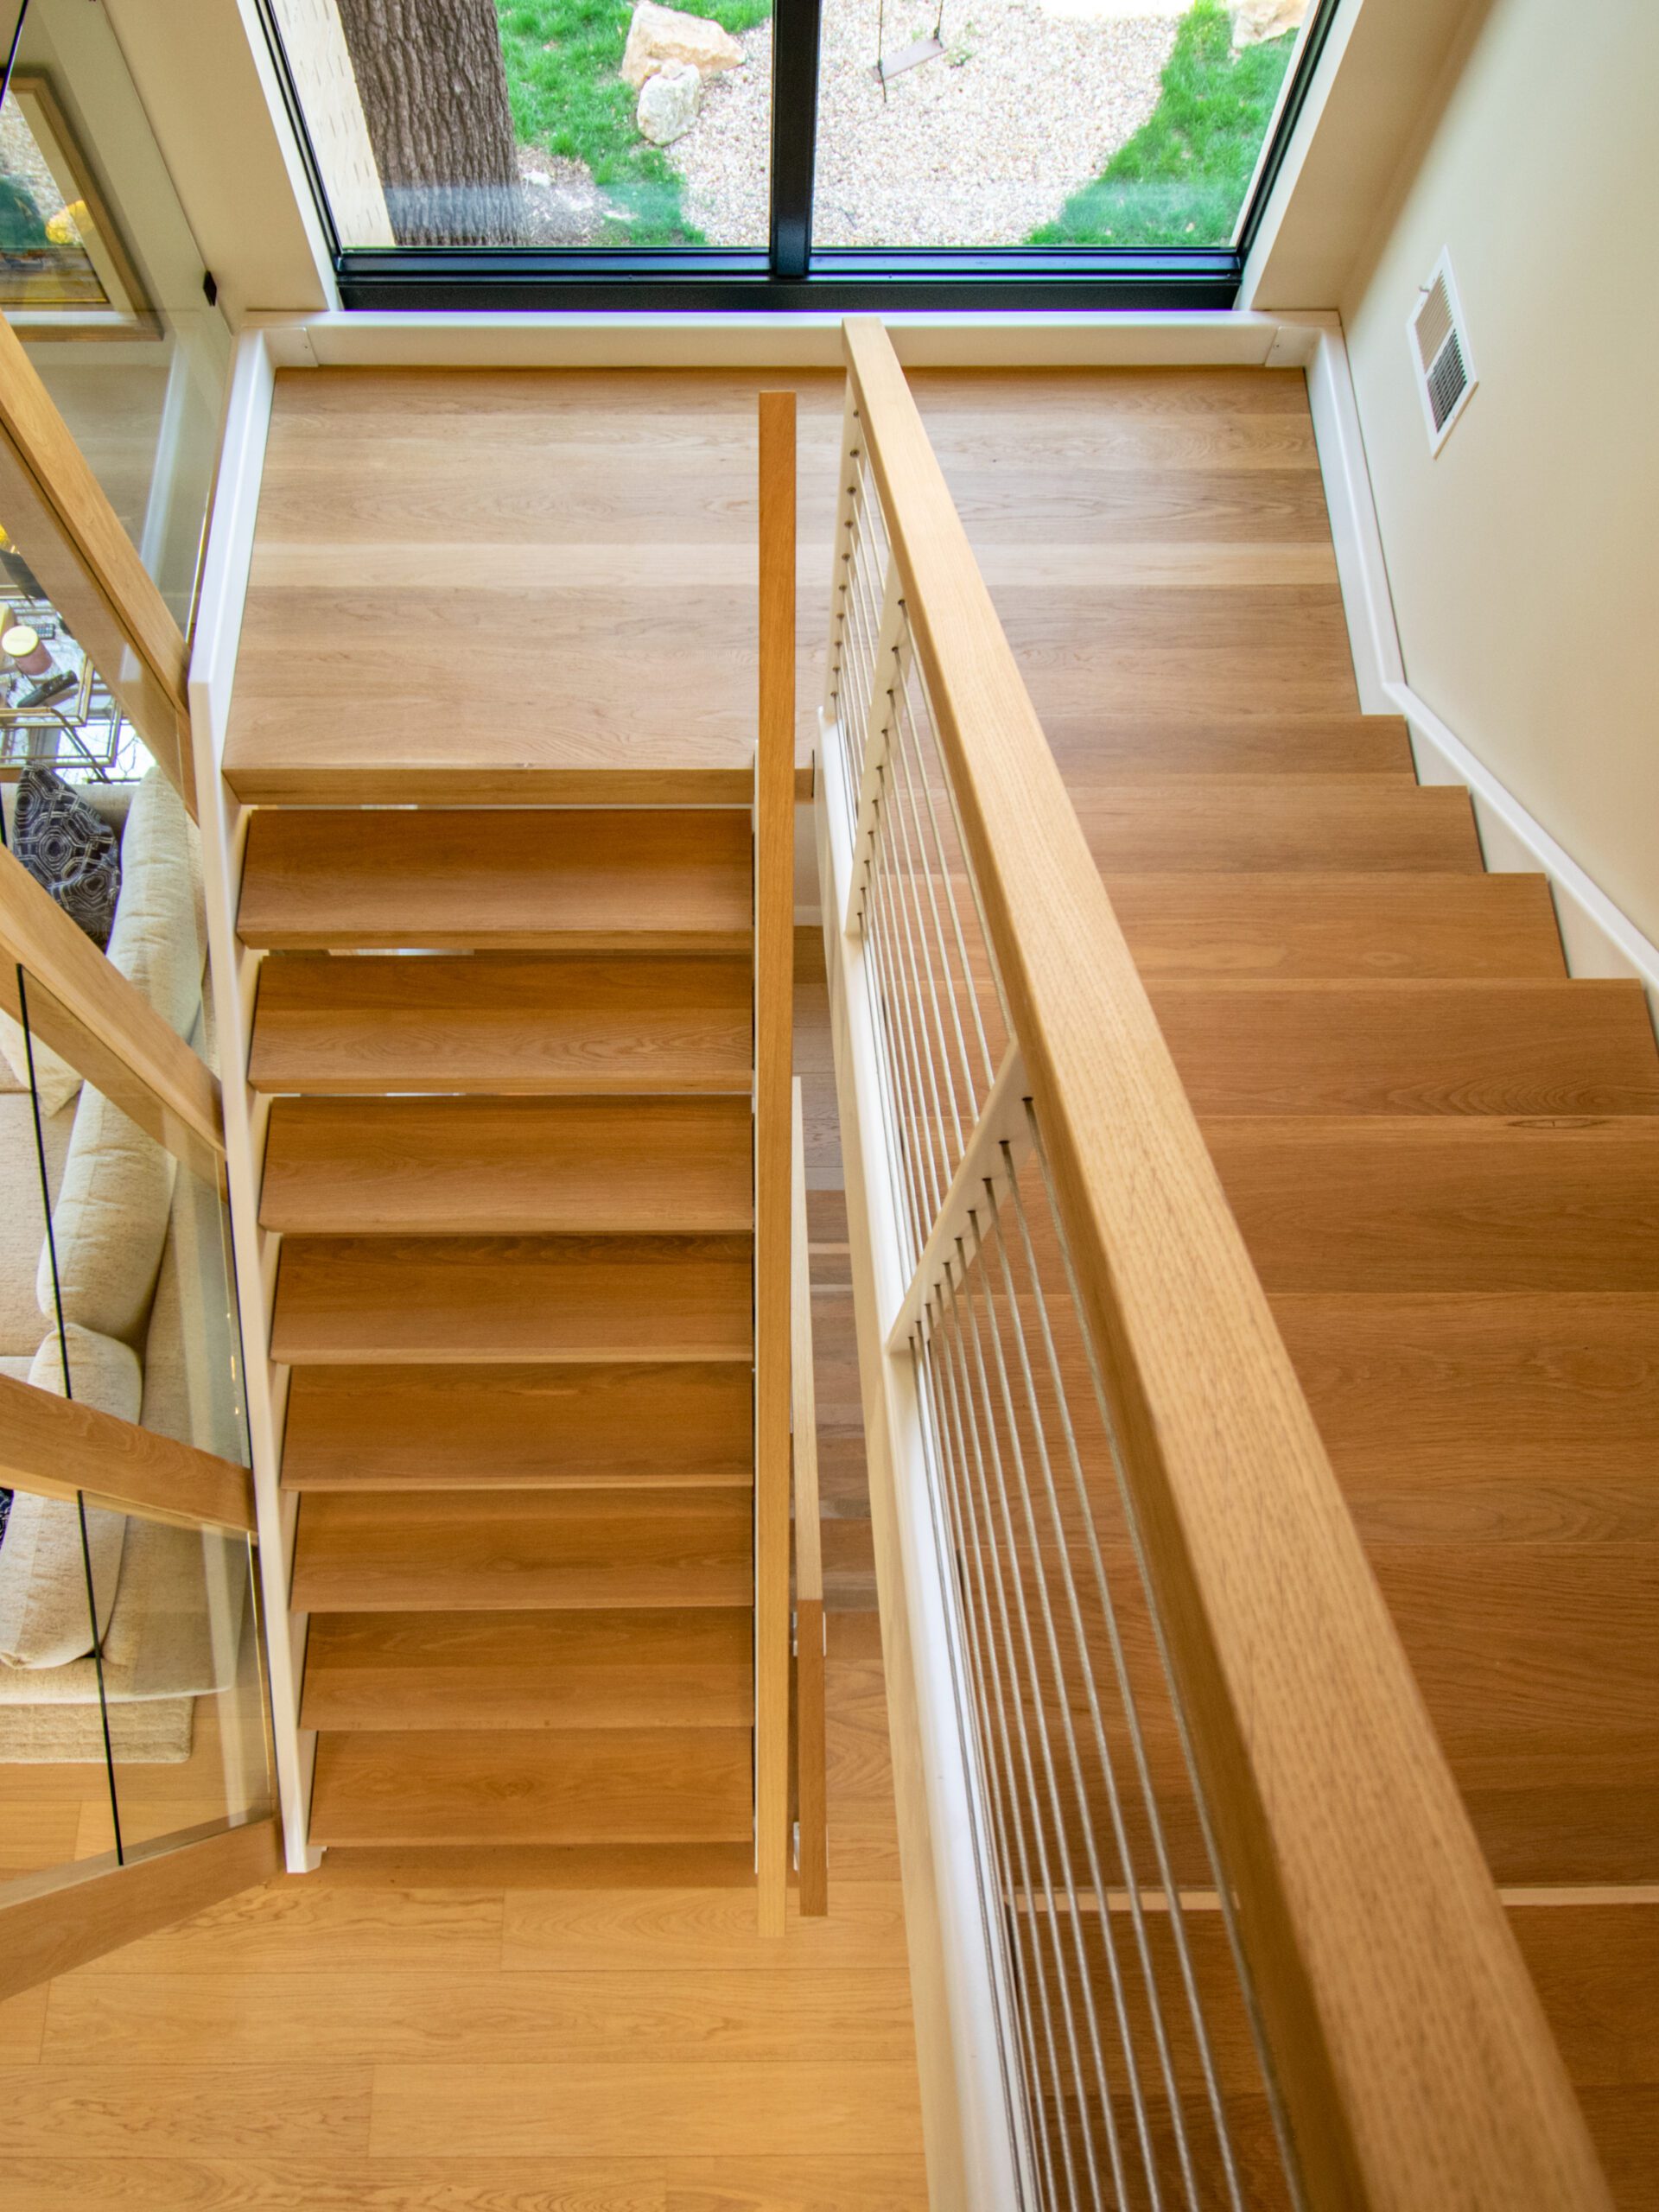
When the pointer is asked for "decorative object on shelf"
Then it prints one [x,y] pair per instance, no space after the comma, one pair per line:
[55,710]
[64,271]
[22,646]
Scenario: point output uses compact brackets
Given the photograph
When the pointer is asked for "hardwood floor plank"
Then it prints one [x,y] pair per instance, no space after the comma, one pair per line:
[702,2014]
[197,2111]
[613,1932]
[300,1925]
[665,2107]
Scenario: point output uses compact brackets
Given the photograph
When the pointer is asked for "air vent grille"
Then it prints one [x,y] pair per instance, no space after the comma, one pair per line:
[1446,374]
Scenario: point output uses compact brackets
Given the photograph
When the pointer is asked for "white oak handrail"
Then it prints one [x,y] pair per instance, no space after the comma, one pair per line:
[774,968]
[1410,2049]
[59,1448]
[811,1801]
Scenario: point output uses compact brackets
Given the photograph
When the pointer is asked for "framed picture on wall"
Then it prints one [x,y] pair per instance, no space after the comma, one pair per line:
[64,272]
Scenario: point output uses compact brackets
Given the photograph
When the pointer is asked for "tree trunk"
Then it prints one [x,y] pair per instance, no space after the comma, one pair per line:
[433,89]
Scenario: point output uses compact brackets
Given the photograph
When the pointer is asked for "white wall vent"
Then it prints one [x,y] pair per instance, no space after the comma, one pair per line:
[1440,355]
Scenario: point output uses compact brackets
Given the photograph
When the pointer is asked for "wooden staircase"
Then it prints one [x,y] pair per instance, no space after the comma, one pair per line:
[1444,1155]
[512,1173]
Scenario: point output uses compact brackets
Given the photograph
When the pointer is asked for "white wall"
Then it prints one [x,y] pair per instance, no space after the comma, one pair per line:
[1524,561]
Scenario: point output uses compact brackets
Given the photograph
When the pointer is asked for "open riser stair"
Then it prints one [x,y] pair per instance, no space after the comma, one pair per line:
[510,1158]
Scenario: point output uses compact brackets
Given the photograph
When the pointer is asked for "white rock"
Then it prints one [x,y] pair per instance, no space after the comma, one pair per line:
[669,103]
[1109,11]
[658,36]
[1255,19]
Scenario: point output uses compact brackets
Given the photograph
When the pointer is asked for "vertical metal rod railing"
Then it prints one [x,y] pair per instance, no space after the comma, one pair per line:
[1179,2030]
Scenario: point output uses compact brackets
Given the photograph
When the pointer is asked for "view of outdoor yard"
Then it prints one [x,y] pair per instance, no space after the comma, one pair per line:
[941,123]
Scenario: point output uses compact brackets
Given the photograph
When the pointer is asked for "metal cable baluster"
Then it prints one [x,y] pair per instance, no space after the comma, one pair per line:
[907,715]
[967,853]
[930,1358]
[911,1207]
[935,1172]
[1223,1893]
[983,1457]
[1007,1547]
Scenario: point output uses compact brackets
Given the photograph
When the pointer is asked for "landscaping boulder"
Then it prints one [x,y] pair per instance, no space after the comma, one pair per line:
[669,102]
[658,37]
[1255,19]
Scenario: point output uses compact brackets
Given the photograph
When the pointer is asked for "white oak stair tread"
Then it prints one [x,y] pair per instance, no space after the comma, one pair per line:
[521,1550]
[1424,1046]
[549,1785]
[1310,925]
[640,879]
[557,1425]
[483,1299]
[1431,1203]
[501,1023]
[1095,749]
[542,1867]
[492,1670]
[1276,824]
[457,1166]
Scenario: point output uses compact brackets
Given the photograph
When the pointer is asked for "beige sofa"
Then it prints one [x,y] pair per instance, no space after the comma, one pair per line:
[141,1275]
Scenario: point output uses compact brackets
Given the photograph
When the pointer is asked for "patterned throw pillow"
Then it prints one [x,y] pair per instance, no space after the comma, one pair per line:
[70,850]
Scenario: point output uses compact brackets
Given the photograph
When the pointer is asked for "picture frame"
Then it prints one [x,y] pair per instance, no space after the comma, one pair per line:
[64,271]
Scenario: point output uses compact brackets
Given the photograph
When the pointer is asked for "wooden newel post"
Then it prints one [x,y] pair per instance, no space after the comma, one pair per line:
[774,917]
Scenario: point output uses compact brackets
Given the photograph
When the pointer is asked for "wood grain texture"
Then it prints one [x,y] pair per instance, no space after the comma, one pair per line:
[1312,926]
[643,879]
[344,1300]
[515,1550]
[545,1785]
[54,1923]
[528,1670]
[1418,1046]
[501,1024]
[774,983]
[104,1025]
[565,1424]
[1441,2079]
[59,1448]
[1276,824]
[462,1166]
[601,523]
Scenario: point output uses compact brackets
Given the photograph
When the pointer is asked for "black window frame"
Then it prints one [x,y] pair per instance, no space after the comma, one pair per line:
[788,273]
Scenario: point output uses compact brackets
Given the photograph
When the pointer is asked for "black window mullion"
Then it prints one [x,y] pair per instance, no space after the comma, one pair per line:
[794,132]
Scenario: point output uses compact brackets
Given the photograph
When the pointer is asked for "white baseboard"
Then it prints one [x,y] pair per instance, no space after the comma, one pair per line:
[1597,938]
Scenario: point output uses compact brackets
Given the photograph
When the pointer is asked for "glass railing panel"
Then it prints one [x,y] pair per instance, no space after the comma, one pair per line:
[1066,122]
[580,127]
[101,279]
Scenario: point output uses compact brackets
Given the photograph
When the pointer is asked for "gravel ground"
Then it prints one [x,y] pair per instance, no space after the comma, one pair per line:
[562,205]
[974,149]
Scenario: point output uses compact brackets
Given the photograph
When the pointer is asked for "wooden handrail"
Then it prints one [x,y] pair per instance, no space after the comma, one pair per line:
[774,970]
[811,1800]
[1411,2052]
[103,1025]
[51,1923]
[58,514]
[59,1448]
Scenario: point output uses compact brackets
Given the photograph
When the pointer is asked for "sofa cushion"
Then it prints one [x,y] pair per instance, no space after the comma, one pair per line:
[44,1618]
[23,1216]
[109,1223]
[159,941]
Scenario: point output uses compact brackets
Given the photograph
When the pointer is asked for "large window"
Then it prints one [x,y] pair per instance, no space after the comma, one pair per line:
[488,147]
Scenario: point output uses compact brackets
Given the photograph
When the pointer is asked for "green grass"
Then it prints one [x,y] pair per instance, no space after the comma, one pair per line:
[1181,180]
[561,58]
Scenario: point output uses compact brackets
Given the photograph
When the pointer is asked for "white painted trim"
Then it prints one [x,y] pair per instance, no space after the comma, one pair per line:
[212,668]
[1302,140]
[973,2158]
[1361,569]
[1597,936]
[1222,338]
